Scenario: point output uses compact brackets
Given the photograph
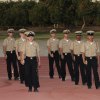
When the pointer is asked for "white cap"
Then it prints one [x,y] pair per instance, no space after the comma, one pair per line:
[66,31]
[30,33]
[22,30]
[10,30]
[53,31]
[90,32]
[78,32]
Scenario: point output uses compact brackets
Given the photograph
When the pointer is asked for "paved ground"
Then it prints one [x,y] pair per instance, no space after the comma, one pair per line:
[50,89]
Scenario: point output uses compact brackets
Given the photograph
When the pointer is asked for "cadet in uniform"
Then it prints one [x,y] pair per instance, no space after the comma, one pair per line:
[18,44]
[10,54]
[66,55]
[90,51]
[53,53]
[31,50]
[77,57]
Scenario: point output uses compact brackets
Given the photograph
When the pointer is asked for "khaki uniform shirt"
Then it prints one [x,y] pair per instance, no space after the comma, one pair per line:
[30,49]
[76,47]
[19,43]
[9,43]
[53,44]
[65,45]
[90,49]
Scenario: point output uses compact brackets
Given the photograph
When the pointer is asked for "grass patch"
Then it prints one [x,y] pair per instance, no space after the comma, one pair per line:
[42,36]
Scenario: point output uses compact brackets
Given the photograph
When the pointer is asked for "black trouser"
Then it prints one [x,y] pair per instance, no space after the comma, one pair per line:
[12,59]
[78,63]
[21,71]
[92,64]
[31,72]
[56,58]
[67,59]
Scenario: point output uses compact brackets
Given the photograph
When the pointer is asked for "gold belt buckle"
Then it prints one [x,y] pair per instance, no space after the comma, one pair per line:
[65,53]
[90,57]
[78,54]
[31,58]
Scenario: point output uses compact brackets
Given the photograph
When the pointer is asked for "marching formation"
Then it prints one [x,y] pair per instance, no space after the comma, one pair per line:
[81,57]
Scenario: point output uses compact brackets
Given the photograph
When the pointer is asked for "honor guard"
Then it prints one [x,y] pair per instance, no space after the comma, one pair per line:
[90,51]
[66,56]
[53,54]
[18,44]
[77,57]
[10,54]
[32,60]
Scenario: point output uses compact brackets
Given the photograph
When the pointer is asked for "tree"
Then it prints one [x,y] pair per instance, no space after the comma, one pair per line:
[39,15]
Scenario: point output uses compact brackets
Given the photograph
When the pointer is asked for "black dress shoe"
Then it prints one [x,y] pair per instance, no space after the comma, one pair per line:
[21,82]
[63,79]
[89,87]
[73,79]
[16,78]
[9,79]
[36,90]
[97,87]
[51,77]
[84,83]
[59,77]
[76,83]
[30,89]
